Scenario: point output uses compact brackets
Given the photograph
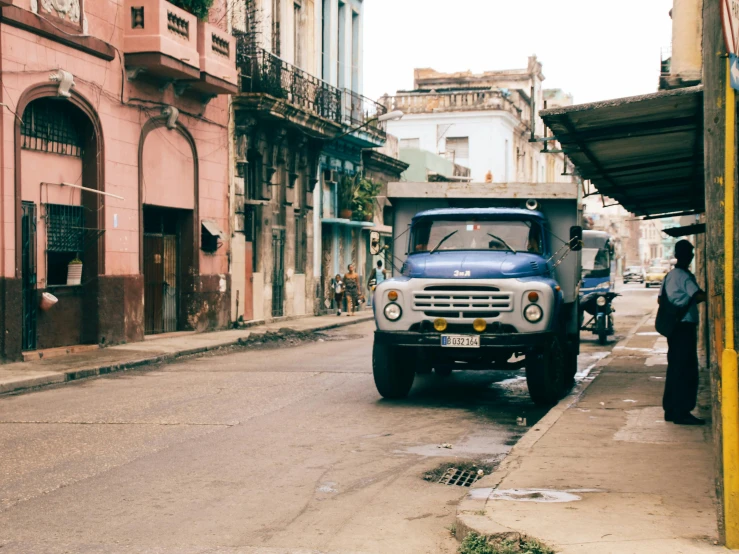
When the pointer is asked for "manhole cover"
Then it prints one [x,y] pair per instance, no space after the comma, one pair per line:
[459,477]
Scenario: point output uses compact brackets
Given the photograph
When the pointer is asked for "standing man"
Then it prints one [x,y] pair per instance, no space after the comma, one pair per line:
[681,385]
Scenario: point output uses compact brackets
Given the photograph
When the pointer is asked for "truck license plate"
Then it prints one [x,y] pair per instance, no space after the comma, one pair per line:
[460,341]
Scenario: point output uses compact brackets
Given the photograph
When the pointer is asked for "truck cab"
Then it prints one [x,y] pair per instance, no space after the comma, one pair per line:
[479,289]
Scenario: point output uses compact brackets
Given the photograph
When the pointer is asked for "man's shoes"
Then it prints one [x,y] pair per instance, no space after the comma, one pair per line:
[689,419]
[669,417]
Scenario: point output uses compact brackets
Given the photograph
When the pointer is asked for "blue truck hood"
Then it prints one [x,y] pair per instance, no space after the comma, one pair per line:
[475,265]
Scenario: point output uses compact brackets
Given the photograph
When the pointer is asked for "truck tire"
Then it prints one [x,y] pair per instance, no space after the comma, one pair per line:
[442,371]
[393,371]
[570,364]
[545,374]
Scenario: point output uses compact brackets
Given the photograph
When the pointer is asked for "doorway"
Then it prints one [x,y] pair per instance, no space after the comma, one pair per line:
[28,273]
[161,270]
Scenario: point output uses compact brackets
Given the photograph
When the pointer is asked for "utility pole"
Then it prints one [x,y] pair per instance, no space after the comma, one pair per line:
[720,176]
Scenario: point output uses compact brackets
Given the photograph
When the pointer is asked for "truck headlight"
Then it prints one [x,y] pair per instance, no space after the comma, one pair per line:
[601,301]
[393,312]
[533,313]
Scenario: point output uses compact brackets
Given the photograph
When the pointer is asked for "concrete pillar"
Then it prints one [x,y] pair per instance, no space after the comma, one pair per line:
[687,28]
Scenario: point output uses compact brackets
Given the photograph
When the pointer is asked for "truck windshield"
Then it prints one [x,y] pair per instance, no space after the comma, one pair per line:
[507,236]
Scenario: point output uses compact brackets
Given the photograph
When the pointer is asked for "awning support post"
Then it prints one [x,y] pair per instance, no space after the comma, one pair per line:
[729,366]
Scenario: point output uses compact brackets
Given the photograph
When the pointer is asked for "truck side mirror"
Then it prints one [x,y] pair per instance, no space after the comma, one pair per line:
[374,243]
[575,238]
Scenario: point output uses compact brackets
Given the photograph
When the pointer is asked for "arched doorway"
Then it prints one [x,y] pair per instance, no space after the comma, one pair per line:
[59,228]
[170,239]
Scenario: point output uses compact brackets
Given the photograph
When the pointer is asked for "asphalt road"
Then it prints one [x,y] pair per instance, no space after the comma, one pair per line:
[281,450]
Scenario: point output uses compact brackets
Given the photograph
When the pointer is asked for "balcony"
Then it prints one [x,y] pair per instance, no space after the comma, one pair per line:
[168,44]
[161,39]
[274,87]
[360,111]
[217,51]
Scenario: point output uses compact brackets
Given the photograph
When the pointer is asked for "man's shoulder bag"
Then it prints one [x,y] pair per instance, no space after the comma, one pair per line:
[668,315]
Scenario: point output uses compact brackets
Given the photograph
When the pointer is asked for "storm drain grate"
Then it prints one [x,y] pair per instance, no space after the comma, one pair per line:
[458,477]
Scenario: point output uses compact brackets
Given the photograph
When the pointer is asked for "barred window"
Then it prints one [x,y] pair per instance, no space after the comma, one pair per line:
[300,244]
[65,228]
[52,126]
[65,240]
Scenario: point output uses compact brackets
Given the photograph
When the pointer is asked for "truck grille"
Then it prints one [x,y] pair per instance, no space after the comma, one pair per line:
[462,302]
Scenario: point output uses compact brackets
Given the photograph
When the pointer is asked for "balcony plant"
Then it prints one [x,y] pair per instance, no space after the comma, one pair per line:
[348,192]
[364,203]
[199,8]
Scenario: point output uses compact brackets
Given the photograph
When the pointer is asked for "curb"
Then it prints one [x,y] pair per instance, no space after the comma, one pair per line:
[468,518]
[55,378]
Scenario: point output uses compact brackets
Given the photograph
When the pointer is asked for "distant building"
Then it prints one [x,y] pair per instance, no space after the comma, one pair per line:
[481,121]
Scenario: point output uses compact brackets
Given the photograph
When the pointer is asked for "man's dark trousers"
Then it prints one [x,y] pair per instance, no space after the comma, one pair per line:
[681,387]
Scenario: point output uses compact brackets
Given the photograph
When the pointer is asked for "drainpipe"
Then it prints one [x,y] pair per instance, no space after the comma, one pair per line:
[729,370]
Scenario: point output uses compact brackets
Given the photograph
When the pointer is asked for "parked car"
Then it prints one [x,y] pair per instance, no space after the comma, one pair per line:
[634,274]
[655,276]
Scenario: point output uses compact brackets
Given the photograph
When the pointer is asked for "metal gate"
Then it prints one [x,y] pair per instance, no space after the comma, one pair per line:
[160,283]
[278,272]
[28,275]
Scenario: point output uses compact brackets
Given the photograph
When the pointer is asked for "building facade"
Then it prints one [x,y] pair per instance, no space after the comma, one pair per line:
[300,127]
[114,180]
[481,121]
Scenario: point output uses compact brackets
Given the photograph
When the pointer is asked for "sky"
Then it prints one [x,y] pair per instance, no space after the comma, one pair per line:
[593,49]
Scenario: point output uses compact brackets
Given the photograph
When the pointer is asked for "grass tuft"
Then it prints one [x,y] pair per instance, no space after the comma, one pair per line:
[474,543]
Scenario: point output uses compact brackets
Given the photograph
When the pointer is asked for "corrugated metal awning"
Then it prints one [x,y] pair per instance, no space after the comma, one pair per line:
[645,152]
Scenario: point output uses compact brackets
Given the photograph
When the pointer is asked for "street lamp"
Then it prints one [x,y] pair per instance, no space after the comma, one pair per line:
[391,116]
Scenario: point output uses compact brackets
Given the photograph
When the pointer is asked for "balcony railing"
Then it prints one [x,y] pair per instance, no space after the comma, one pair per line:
[266,73]
[359,109]
[263,72]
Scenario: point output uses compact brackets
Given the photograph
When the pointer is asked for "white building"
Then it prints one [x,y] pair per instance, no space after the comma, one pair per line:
[481,121]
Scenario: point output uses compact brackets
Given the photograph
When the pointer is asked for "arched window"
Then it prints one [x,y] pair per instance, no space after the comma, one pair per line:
[51,125]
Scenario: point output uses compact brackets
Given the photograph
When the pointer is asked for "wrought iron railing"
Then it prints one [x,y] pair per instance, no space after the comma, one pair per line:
[358,110]
[263,72]
[266,73]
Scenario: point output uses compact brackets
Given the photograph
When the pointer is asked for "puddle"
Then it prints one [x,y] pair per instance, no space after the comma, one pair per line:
[529,495]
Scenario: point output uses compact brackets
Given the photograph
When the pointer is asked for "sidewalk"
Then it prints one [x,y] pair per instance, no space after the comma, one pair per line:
[24,375]
[603,472]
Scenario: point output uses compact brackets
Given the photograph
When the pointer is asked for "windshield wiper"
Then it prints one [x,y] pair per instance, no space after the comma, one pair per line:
[442,242]
[508,246]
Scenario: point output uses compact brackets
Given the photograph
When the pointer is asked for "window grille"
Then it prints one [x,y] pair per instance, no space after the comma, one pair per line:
[65,228]
[300,243]
[50,126]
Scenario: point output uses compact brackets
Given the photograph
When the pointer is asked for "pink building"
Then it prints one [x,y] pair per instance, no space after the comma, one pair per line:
[114,145]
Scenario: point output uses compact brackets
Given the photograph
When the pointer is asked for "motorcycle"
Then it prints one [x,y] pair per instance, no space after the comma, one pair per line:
[599,306]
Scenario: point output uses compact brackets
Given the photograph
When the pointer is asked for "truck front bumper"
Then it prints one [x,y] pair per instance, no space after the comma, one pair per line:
[488,341]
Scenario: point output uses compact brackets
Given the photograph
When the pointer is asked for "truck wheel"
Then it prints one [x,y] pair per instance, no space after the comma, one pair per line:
[442,371]
[545,369]
[393,371]
[570,365]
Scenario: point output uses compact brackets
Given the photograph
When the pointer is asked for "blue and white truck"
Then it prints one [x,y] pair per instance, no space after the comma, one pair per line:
[489,280]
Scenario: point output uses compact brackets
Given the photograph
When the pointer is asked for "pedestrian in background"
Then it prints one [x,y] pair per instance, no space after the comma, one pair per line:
[681,290]
[377,276]
[338,286]
[351,285]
